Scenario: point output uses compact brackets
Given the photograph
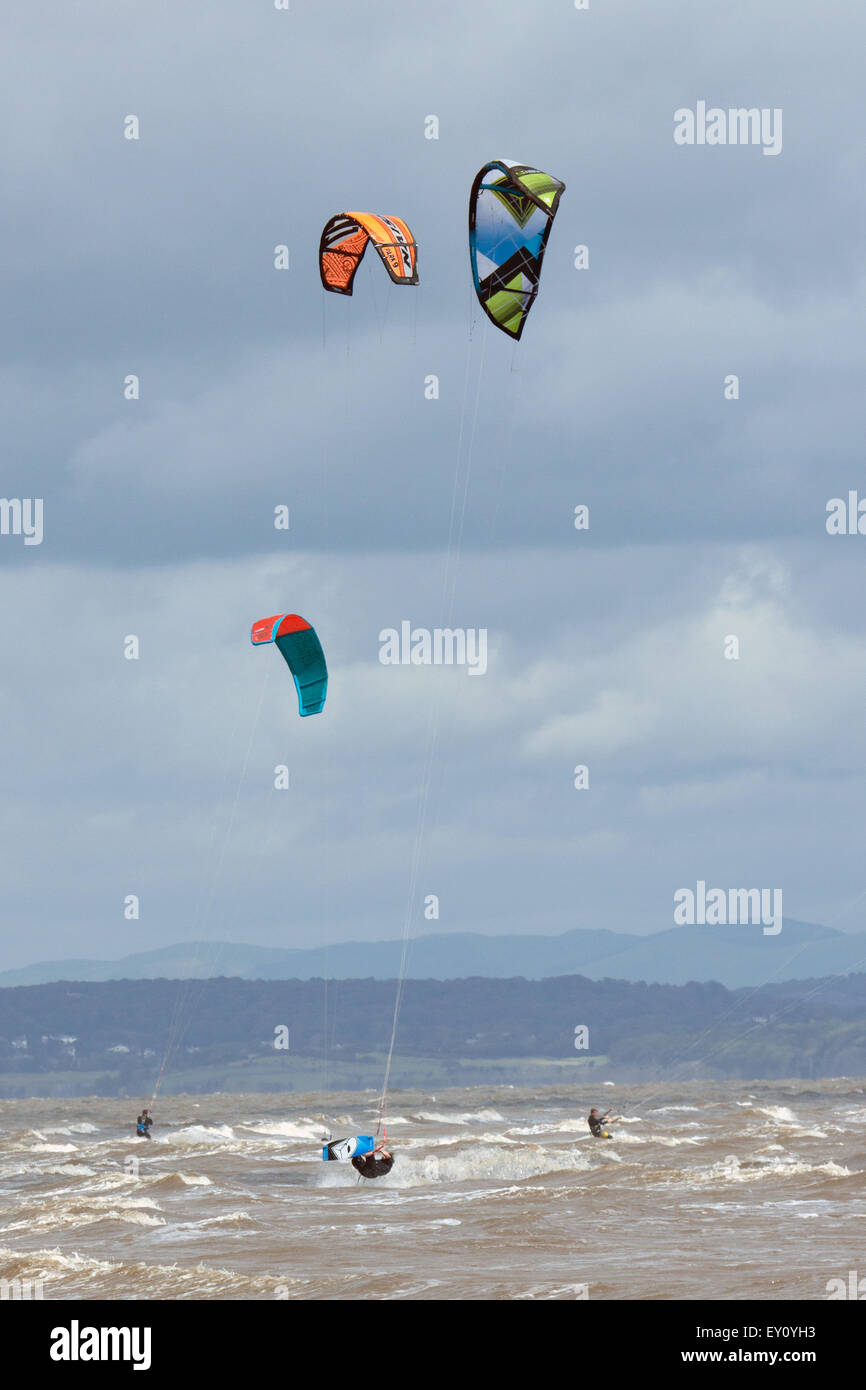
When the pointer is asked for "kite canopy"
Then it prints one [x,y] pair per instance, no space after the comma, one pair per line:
[511,212]
[303,654]
[345,239]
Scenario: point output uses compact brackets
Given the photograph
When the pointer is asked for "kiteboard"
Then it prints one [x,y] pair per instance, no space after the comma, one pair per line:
[342,1150]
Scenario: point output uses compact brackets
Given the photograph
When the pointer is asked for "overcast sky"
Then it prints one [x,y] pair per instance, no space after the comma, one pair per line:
[707,516]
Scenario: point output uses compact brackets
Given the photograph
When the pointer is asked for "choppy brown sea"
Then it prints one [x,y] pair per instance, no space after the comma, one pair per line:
[726,1190]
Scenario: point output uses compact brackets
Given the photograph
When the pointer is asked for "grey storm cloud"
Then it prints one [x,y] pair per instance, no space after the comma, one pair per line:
[155,257]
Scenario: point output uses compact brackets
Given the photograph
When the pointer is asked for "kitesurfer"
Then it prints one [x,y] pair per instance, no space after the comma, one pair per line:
[143,1124]
[596,1124]
[369,1166]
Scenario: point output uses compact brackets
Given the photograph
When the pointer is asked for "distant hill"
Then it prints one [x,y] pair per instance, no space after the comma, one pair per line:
[116,1037]
[732,956]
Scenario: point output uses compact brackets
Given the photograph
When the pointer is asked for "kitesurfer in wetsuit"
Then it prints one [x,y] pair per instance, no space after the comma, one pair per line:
[143,1124]
[369,1166]
[596,1124]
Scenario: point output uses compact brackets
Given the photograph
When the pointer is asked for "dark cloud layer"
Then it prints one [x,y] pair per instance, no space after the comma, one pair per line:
[707,516]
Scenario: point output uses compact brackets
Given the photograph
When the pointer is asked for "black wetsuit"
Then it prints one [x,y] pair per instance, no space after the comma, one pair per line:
[372,1166]
[142,1126]
[596,1124]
